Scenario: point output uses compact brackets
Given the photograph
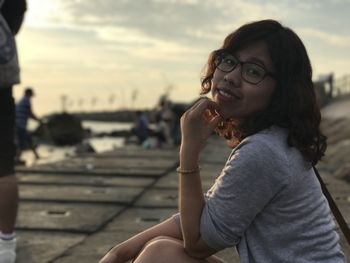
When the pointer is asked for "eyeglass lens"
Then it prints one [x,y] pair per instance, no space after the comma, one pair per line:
[250,72]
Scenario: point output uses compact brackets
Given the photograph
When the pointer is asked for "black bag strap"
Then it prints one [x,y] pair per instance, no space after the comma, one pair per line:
[339,217]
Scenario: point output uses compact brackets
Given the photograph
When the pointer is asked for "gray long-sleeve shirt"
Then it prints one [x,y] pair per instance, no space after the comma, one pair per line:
[268,202]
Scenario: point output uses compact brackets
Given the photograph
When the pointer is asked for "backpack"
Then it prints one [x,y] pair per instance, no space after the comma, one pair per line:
[13,12]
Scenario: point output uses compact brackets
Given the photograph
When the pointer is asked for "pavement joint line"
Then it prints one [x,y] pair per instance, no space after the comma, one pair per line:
[75,201]
[48,230]
[155,206]
[75,172]
[79,184]
[138,196]
[165,187]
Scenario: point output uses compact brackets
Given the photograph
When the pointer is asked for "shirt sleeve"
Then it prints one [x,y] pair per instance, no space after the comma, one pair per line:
[252,176]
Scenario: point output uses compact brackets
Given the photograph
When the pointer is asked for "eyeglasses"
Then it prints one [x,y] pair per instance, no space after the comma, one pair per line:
[250,72]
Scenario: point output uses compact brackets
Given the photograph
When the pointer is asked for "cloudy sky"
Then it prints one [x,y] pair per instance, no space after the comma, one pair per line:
[108,54]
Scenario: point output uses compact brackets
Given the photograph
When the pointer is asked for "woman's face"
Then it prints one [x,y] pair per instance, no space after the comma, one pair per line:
[236,97]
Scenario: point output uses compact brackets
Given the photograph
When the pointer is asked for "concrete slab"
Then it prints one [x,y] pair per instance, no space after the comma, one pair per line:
[215,152]
[333,125]
[162,198]
[82,218]
[337,161]
[131,222]
[68,193]
[167,181]
[43,247]
[73,179]
[138,219]
[171,181]
[337,109]
[93,248]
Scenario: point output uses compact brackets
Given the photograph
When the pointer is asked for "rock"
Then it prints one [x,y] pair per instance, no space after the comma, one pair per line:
[84,147]
[62,129]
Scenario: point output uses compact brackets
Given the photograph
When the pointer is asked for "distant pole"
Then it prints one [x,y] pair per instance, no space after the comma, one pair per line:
[111,100]
[70,105]
[93,101]
[168,89]
[80,104]
[64,99]
[122,98]
[134,95]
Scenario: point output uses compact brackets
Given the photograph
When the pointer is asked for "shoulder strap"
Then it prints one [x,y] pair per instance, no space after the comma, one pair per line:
[341,221]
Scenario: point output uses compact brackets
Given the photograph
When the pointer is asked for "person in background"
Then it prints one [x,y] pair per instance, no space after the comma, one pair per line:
[11,17]
[267,201]
[168,119]
[159,132]
[140,128]
[24,112]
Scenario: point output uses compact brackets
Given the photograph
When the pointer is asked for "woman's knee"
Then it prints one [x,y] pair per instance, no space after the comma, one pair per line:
[163,243]
[157,249]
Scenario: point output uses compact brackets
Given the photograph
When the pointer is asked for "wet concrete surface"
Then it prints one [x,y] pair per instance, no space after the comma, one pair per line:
[76,210]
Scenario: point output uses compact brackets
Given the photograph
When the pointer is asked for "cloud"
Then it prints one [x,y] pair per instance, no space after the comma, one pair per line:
[171,20]
[333,39]
[186,21]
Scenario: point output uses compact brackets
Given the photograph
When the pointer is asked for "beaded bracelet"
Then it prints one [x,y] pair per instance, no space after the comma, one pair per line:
[189,171]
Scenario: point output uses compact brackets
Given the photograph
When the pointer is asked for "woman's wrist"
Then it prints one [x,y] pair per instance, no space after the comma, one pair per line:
[188,158]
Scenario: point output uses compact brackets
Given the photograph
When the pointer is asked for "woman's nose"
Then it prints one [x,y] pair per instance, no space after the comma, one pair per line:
[234,76]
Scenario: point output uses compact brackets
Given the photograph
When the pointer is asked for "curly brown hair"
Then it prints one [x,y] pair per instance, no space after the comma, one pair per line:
[293,104]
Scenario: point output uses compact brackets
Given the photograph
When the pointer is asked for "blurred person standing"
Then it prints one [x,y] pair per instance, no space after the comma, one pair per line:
[140,129]
[24,112]
[168,118]
[11,17]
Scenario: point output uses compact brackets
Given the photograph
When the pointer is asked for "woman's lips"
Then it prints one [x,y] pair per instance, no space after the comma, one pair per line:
[224,94]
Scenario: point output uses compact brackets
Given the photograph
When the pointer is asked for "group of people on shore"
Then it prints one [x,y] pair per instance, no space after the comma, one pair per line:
[165,131]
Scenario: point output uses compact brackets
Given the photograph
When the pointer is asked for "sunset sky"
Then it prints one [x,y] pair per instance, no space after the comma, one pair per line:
[108,54]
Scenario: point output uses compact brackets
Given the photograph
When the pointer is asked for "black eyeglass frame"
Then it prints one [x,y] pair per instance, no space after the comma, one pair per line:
[219,55]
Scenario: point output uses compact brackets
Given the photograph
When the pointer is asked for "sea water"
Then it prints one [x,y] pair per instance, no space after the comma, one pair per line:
[51,153]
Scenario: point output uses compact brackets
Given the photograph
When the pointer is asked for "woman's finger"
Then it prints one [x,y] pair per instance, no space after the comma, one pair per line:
[198,102]
[210,114]
[207,107]
[214,121]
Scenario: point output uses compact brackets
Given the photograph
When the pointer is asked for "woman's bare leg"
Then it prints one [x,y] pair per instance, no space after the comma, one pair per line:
[169,250]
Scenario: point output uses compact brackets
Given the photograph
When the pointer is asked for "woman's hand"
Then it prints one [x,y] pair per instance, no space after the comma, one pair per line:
[198,123]
[117,254]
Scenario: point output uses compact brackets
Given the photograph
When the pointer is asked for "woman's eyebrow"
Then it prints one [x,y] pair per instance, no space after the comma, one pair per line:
[254,59]
[257,60]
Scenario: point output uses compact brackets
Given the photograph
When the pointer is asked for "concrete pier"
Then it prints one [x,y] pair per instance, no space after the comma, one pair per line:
[77,209]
